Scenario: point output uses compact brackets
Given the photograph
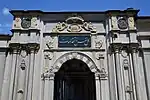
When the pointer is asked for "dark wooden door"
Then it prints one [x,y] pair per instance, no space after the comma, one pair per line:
[74,86]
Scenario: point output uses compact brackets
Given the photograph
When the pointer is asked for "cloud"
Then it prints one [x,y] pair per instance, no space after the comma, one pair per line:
[5,11]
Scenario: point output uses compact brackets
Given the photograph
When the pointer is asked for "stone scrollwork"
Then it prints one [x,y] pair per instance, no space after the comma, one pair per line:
[48,55]
[89,27]
[74,24]
[50,43]
[59,27]
[98,43]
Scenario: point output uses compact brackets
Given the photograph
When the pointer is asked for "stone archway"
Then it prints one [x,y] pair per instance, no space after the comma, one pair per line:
[74,55]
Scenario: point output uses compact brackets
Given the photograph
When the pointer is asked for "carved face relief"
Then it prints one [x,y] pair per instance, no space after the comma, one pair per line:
[122,23]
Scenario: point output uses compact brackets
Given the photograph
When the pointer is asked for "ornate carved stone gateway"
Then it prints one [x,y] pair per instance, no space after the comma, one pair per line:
[76,56]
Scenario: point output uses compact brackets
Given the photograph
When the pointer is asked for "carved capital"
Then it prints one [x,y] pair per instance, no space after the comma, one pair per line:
[116,47]
[134,47]
[48,76]
[14,47]
[102,74]
[33,47]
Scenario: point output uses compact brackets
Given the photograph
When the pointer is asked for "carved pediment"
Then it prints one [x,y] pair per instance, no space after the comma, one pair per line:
[74,24]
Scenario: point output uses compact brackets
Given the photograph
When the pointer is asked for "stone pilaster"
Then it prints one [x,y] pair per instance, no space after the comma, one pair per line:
[119,72]
[134,51]
[22,72]
[48,86]
[33,47]
[15,47]
[6,80]
[3,56]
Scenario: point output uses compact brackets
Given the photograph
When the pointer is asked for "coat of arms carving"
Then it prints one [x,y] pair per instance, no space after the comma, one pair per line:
[74,24]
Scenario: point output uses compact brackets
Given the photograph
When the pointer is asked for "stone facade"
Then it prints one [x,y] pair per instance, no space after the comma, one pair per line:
[118,53]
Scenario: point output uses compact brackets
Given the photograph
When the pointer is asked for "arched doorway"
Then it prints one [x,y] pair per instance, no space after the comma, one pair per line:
[74,81]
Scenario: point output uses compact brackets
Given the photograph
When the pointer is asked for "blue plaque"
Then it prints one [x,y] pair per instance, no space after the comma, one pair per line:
[74,41]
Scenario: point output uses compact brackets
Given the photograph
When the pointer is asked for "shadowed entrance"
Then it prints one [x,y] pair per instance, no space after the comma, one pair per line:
[74,81]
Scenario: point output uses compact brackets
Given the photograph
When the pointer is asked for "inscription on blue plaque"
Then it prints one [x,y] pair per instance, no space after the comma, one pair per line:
[74,41]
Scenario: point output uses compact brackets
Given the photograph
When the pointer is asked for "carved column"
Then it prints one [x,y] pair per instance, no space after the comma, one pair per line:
[2,68]
[32,48]
[98,88]
[112,76]
[15,47]
[49,86]
[6,80]
[135,69]
[120,80]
